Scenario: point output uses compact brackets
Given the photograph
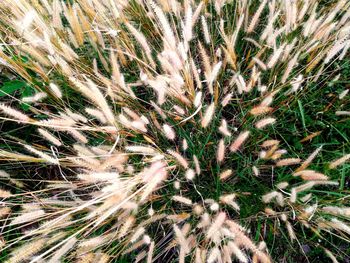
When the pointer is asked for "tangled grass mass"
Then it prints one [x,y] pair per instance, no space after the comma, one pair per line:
[174,131]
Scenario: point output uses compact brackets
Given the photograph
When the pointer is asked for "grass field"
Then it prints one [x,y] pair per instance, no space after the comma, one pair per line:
[174,131]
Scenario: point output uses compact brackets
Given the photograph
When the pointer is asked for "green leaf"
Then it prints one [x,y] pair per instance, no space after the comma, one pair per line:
[302,114]
[28,91]
[11,86]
